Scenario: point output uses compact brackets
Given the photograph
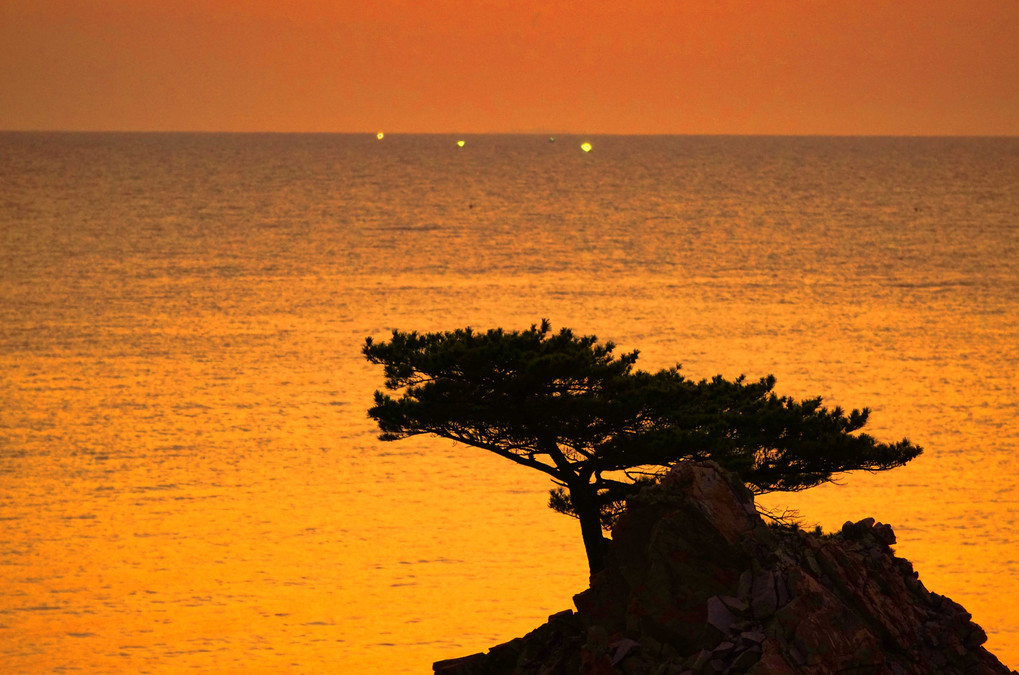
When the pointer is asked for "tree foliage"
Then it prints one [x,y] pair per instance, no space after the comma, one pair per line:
[570,407]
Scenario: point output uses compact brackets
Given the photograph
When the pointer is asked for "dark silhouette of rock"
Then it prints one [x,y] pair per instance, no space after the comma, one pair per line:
[697,583]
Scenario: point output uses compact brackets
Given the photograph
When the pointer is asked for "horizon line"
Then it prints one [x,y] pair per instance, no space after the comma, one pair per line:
[510,133]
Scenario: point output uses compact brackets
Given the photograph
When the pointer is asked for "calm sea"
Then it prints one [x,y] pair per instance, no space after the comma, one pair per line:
[188,480]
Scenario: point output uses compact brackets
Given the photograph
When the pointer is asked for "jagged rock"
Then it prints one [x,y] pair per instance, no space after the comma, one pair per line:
[719,617]
[763,596]
[697,583]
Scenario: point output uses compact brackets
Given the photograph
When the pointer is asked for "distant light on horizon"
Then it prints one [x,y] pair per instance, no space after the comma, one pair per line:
[460,143]
[380,135]
[585,146]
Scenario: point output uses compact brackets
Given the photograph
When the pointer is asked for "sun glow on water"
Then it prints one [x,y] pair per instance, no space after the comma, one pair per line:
[721,292]
[380,135]
[585,146]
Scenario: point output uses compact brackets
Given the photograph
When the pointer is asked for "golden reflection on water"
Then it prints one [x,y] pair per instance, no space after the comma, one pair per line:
[188,479]
[245,517]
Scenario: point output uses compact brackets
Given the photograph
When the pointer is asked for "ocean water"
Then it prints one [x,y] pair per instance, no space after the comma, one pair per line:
[188,480]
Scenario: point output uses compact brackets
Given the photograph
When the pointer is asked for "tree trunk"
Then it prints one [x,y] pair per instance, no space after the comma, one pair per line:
[585,504]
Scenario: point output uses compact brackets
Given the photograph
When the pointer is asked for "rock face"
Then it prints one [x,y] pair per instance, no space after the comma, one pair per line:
[697,583]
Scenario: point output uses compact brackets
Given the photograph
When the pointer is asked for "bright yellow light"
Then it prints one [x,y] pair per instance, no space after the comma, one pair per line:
[379,135]
[460,143]
[586,147]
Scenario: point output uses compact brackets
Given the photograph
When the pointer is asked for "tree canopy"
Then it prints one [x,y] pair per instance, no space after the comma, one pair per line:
[570,407]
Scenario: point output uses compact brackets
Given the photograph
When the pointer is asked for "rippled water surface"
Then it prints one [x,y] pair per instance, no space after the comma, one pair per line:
[188,480]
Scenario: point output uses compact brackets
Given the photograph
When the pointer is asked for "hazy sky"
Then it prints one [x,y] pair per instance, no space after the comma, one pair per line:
[585,66]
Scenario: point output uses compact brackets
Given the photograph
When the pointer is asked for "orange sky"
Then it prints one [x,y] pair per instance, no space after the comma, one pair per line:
[585,66]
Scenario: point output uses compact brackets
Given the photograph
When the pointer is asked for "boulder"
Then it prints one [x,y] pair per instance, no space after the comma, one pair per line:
[696,583]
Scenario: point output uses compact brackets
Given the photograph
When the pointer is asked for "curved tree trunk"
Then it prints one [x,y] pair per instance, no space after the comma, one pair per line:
[585,504]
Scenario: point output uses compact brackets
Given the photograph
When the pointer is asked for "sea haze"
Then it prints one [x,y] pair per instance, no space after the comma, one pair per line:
[188,479]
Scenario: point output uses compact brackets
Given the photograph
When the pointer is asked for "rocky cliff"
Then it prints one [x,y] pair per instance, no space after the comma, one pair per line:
[698,583]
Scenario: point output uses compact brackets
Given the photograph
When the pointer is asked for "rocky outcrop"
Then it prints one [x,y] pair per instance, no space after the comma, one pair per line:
[697,583]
